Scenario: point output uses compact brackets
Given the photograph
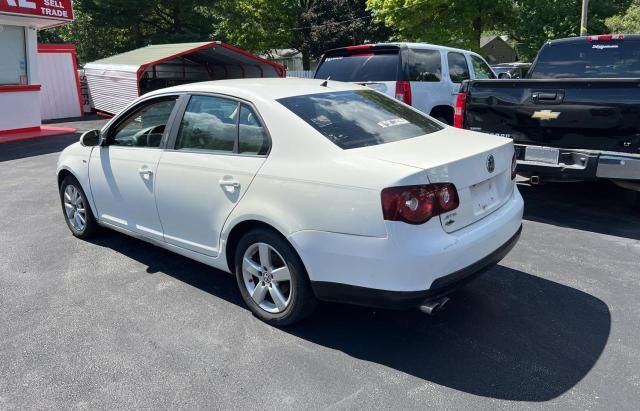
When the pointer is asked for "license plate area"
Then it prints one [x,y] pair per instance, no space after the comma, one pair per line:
[546,155]
[484,196]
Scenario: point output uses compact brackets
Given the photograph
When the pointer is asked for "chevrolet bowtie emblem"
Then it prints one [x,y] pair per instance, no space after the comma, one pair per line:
[546,115]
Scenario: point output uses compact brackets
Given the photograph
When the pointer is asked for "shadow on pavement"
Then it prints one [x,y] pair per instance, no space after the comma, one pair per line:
[36,147]
[508,335]
[53,144]
[599,207]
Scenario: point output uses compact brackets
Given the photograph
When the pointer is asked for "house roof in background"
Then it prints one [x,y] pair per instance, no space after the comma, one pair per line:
[488,39]
[281,53]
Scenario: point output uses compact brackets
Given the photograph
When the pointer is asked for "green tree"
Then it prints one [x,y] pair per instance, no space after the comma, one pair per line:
[309,26]
[106,27]
[92,41]
[627,23]
[458,23]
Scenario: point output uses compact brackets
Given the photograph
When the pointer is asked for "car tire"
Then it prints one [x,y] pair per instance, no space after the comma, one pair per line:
[76,210]
[272,279]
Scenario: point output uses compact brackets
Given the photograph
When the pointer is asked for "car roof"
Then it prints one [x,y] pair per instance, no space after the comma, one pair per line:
[261,88]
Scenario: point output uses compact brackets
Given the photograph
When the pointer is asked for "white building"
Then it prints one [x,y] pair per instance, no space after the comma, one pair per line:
[291,59]
[20,83]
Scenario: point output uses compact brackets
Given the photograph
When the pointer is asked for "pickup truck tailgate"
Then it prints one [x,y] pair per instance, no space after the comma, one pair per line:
[597,114]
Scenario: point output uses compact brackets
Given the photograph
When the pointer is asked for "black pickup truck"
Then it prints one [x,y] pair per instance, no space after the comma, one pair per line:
[575,117]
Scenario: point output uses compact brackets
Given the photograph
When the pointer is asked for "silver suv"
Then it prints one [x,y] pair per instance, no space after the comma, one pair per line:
[423,75]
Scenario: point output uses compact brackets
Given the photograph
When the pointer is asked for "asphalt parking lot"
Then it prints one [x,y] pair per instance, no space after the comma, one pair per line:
[117,323]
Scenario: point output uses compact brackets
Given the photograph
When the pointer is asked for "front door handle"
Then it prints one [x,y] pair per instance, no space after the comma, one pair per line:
[229,185]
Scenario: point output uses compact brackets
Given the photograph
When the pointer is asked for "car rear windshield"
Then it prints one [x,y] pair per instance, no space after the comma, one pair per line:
[362,67]
[359,118]
[587,59]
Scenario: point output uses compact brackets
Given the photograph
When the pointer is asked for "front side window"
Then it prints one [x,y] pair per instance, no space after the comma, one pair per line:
[13,64]
[424,65]
[359,118]
[209,124]
[481,69]
[145,126]
[458,68]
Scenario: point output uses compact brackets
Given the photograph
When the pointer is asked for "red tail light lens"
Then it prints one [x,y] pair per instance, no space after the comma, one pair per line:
[403,91]
[458,113]
[514,166]
[418,204]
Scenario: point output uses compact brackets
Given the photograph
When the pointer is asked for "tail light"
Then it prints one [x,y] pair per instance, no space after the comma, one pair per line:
[418,204]
[403,91]
[606,37]
[458,112]
[514,166]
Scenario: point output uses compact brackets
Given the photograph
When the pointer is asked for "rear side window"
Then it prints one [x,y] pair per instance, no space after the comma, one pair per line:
[252,136]
[458,68]
[586,59]
[481,69]
[359,118]
[209,124]
[424,65]
[378,66]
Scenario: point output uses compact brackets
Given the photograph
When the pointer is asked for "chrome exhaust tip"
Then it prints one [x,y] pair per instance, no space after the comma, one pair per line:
[430,307]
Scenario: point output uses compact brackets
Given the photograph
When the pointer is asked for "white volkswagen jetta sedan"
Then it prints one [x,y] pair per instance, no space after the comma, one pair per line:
[305,190]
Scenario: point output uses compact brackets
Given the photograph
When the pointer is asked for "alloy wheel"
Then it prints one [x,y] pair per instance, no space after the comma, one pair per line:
[267,278]
[74,208]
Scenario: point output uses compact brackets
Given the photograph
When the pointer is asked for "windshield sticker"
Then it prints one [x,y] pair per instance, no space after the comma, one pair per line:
[604,46]
[393,122]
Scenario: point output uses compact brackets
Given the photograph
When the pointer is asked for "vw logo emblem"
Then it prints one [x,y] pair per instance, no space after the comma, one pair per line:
[491,163]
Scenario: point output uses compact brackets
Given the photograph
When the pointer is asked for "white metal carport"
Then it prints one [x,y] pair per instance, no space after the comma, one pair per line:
[116,81]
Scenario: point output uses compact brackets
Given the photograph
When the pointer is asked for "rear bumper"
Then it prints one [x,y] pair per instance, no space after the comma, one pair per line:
[371,297]
[411,264]
[576,164]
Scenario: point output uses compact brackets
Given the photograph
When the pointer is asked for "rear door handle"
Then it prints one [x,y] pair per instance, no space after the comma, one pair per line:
[145,172]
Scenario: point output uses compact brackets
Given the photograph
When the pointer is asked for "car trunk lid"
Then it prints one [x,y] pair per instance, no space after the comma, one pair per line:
[479,165]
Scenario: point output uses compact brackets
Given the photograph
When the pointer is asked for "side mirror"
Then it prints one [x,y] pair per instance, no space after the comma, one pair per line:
[504,75]
[90,138]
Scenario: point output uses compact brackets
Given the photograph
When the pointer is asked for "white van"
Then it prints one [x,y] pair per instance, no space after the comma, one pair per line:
[423,75]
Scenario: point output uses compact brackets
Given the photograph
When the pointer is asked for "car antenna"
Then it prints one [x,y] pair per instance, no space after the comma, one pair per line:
[326,82]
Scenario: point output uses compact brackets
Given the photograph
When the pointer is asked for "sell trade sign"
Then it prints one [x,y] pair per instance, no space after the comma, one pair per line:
[48,9]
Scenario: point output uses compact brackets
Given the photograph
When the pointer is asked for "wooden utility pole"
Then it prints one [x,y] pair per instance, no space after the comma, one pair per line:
[585,17]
